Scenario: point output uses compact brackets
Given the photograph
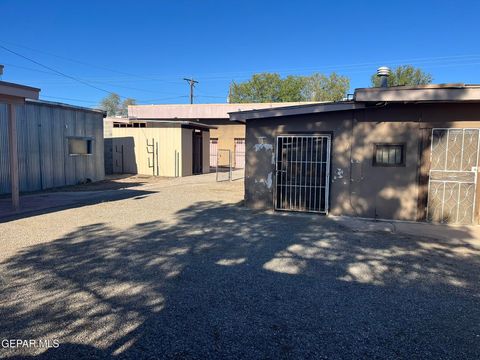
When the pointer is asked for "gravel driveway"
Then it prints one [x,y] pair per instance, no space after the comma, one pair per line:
[186,272]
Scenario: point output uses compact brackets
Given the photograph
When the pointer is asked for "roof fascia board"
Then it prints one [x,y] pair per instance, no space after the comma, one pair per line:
[243,116]
[16,90]
[417,95]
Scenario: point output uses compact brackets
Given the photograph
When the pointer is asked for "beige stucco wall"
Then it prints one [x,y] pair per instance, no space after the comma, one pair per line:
[226,133]
[356,186]
[135,156]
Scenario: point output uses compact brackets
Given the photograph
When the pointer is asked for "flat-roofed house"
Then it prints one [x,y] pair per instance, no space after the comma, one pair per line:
[224,134]
[406,153]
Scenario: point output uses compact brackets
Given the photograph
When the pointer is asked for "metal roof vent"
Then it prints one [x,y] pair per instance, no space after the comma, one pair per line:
[383,73]
[1,71]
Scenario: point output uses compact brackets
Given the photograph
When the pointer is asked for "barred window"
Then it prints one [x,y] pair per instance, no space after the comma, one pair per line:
[389,155]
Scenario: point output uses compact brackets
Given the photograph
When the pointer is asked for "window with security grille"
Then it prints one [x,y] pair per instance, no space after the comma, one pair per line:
[389,155]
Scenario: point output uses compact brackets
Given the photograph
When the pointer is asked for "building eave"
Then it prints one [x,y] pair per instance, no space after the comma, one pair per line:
[430,93]
[243,116]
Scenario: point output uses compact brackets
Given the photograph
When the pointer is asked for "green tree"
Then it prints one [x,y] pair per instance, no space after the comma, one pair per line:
[405,75]
[111,104]
[264,87]
[320,87]
[292,89]
[271,87]
[125,103]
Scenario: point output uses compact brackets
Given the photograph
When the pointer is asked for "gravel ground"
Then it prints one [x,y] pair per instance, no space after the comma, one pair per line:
[186,272]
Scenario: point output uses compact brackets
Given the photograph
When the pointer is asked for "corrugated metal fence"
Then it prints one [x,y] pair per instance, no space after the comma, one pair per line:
[43,130]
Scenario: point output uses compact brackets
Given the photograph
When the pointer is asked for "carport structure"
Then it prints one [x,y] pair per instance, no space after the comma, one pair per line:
[14,94]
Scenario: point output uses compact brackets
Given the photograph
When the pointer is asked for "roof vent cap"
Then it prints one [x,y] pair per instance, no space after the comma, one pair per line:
[383,73]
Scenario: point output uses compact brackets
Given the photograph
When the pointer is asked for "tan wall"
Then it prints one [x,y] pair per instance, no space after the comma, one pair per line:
[135,156]
[356,186]
[226,133]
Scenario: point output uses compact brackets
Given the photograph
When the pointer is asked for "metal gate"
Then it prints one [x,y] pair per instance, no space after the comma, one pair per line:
[453,175]
[239,153]
[302,173]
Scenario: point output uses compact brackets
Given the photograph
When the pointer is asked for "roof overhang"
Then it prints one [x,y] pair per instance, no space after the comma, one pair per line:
[193,124]
[181,123]
[15,92]
[426,93]
[243,116]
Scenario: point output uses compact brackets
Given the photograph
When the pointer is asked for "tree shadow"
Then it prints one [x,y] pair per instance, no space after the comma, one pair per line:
[227,282]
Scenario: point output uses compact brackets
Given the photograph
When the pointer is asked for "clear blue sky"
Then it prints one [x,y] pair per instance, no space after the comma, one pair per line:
[143,49]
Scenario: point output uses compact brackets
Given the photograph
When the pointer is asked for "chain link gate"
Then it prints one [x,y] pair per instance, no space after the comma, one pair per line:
[302,173]
[453,176]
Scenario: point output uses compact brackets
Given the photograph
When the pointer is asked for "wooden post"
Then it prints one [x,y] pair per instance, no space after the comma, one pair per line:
[12,139]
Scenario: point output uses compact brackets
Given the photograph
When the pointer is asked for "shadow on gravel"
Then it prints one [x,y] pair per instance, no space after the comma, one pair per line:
[48,202]
[226,282]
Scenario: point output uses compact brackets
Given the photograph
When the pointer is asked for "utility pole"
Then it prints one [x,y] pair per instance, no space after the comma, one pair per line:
[192,83]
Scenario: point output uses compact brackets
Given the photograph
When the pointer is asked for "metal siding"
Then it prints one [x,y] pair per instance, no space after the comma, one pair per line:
[99,146]
[4,153]
[79,160]
[44,161]
[46,148]
[22,146]
[32,129]
[69,161]
[90,160]
[58,148]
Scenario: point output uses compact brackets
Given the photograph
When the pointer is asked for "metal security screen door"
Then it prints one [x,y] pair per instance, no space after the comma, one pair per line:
[453,175]
[302,173]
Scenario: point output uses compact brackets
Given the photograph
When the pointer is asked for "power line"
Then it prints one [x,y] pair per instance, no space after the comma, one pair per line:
[59,72]
[90,65]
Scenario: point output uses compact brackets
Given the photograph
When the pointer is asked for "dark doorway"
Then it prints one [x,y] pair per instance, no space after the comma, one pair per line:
[197,155]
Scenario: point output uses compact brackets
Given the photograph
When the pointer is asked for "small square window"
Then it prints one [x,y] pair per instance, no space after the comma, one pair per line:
[389,155]
[80,146]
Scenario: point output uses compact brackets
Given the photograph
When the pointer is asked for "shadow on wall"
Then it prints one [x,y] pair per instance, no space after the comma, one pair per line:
[123,160]
[227,282]
[357,186]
